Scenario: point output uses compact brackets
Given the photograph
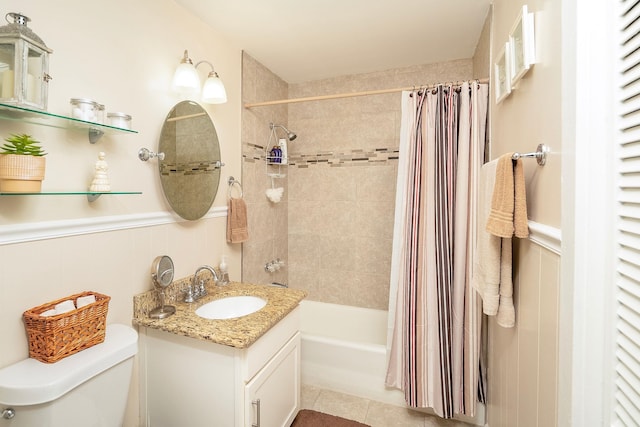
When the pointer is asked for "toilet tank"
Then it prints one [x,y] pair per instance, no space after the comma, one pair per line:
[89,388]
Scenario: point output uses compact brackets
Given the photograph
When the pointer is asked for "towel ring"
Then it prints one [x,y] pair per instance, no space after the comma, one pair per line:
[232,181]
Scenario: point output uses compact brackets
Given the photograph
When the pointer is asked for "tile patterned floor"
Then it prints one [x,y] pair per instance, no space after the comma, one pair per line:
[367,411]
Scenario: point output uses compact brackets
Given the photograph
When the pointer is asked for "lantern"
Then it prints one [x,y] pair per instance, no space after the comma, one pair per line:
[24,65]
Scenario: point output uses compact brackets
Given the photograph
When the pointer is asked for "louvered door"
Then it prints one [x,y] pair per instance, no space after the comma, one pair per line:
[627,342]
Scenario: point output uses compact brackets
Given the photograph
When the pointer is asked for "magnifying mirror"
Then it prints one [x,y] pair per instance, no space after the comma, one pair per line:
[162,276]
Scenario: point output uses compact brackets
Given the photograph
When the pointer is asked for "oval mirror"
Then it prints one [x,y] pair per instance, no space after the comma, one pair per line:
[190,170]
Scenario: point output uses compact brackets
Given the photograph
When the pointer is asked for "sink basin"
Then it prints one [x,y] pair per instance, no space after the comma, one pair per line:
[230,307]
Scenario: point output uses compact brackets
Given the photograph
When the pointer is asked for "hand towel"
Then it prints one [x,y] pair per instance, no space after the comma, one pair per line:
[486,269]
[506,315]
[237,231]
[508,215]
[50,312]
[520,219]
[491,276]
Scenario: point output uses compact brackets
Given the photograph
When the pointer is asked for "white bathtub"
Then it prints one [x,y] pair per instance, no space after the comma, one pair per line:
[344,349]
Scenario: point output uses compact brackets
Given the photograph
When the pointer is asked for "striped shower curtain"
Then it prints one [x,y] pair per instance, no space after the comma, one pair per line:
[434,322]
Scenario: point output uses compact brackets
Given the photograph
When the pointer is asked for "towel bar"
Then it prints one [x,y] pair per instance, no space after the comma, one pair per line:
[540,154]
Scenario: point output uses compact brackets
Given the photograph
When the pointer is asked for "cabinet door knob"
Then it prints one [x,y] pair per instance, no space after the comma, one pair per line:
[256,403]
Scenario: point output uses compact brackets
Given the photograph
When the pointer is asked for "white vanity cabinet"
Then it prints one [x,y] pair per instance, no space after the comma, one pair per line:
[272,396]
[195,383]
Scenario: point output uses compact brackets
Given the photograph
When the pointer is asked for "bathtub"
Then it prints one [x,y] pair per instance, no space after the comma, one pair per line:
[344,349]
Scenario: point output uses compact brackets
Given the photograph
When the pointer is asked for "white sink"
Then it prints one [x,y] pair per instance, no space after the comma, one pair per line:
[230,307]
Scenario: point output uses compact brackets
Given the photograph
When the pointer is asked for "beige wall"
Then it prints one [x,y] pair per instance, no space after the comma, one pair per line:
[342,190]
[54,246]
[523,361]
[531,114]
[482,55]
[340,187]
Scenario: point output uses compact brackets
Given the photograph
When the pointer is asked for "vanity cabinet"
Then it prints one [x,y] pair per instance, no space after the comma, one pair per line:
[272,397]
[190,382]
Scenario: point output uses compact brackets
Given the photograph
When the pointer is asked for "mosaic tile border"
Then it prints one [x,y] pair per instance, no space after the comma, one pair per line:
[192,168]
[356,157]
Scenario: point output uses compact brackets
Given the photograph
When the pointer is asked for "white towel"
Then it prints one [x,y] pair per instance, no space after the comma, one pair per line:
[65,306]
[50,312]
[506,316]
[492,268]
[85,300]
[486,270]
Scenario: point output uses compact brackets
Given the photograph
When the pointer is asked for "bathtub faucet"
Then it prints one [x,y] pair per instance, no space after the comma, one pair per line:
[197,290]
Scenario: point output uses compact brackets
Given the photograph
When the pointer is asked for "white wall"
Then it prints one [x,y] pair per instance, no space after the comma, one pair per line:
[587,295]
[123,54]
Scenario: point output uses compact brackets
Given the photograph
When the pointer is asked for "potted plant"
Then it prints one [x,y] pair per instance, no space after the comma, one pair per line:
[22,164]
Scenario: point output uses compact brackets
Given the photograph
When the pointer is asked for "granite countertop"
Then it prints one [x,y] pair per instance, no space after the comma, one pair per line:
[239,332]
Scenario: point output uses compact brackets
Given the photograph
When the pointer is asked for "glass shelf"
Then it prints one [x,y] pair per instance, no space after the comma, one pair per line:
[91,196]
[44,118]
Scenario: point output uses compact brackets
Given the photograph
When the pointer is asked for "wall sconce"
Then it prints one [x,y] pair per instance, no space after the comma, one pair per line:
[187,82]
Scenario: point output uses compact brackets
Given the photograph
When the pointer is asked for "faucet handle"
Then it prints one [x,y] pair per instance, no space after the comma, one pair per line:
[202,291]
[188,295]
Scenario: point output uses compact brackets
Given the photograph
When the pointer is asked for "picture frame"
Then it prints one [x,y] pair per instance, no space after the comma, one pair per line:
[501,71]
[522,45]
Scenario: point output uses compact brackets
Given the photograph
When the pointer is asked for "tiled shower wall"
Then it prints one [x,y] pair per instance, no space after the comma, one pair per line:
[334,226]
[267,221]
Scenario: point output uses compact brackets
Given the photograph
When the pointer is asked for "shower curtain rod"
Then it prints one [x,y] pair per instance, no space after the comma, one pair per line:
[354,94]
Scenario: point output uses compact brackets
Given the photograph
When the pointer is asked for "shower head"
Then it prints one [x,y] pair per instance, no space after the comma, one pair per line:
[290,135]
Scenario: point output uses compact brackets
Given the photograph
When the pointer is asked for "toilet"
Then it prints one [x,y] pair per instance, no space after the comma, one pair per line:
[86,389]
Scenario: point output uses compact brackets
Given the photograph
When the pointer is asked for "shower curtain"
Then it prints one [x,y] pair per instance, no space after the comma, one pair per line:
[434,339]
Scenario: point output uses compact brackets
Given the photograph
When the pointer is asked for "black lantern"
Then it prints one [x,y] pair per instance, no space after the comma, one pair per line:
[24,65]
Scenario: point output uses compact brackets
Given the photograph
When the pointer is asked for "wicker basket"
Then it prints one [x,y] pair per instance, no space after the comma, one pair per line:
[52,338]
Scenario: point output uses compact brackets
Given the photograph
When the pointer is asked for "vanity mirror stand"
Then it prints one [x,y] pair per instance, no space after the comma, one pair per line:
[162,276]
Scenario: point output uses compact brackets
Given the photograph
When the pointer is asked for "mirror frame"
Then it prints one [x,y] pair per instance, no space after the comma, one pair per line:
[190,170]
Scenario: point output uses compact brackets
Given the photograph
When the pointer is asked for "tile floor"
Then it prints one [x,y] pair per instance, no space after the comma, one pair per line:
[367,411]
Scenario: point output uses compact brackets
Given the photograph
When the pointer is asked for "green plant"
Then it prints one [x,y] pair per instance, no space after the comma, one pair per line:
[23,145]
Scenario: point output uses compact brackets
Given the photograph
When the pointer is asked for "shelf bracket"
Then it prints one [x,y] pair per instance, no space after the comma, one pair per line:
[95,135]
[93,197]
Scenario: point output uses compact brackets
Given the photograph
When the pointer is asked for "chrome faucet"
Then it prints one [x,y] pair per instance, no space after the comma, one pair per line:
[197,289]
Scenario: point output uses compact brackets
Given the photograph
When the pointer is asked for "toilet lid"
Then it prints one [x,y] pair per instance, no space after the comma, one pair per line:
[30,382]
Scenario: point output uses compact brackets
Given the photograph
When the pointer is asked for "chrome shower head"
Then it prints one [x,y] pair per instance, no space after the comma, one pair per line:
[290,135]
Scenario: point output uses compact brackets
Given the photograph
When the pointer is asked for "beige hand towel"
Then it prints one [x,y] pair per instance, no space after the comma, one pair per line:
[237,231]
[500,221]
[520,219]
[508,214]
